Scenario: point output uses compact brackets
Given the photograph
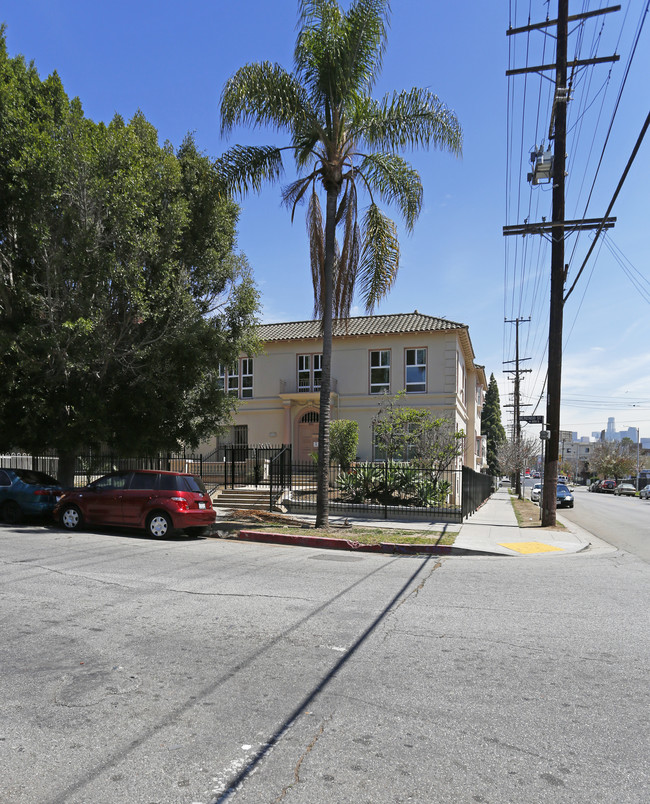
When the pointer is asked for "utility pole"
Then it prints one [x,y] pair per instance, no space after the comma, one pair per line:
[558,228]
[558,272]
[516,434]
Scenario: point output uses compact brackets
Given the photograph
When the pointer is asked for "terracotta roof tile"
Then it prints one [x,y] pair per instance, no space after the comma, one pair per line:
[361,325]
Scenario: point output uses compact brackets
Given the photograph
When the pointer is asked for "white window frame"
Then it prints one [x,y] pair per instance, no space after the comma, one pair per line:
[232,380]
[238,379]
[309,367]
[380,387]
[408,386]
[246,377]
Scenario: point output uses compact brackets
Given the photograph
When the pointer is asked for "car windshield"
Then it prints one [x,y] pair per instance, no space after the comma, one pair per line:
[33,478]
[562,489]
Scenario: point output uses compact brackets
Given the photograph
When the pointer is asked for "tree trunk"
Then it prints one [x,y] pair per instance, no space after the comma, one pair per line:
[322,491]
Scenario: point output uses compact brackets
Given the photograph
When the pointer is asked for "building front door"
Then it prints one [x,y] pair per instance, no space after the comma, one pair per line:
[307,436]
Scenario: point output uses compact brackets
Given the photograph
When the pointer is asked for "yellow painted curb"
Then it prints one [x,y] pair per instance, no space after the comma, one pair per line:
[531,547]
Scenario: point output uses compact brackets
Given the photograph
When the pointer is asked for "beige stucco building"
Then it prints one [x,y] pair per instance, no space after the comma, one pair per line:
[430,359]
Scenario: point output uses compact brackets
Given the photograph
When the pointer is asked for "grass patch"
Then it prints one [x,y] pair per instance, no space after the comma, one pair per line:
[280,523]
[527,514]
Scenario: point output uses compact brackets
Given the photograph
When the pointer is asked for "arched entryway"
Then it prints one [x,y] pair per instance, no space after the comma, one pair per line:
[307,435]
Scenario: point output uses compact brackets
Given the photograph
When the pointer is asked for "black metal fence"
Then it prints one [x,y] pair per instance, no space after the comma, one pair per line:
[383,490]
[476,489]
[91,465]
[379,490]
[245,466]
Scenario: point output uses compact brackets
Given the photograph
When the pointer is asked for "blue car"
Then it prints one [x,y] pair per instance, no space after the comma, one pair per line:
[24,492]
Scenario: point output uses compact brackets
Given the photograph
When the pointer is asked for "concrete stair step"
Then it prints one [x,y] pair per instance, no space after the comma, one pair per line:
[242,498]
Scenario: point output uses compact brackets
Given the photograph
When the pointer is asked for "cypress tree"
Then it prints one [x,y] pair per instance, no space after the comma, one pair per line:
[491,425]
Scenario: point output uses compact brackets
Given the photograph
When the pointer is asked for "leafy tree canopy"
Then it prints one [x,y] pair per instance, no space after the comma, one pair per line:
[414,434]
[614,459]
[514,455]
[344,438]
[120,289]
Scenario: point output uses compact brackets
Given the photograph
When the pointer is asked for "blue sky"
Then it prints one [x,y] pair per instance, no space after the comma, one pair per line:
[171,60]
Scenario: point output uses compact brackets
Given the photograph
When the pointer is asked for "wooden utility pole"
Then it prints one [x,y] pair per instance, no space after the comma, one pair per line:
[557,229]
[516,434]
[558,273]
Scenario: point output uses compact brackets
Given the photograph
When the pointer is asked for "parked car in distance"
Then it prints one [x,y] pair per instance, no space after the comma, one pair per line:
[607,486]
[25,492]
[536,475]
[536,492]
[562,479]
[645,492]
[160,502]
[564,496]
[625,489]
[593,486]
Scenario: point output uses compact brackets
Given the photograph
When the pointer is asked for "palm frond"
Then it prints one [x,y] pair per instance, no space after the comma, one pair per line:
[247,167]
[316,236]
[263,94]
[379,260]
[397,182]
[293,193]
[347,266]
[343,204]
[407,120]
[339,54]
[367,28]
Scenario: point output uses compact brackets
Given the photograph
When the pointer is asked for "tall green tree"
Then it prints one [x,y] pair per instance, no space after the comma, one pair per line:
[343,142]
[492,427]
[120,290]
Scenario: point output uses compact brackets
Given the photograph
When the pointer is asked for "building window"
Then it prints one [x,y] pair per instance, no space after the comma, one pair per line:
[416,371]
[318,371]
[310,372]
[246,377]
[380,372]
[238,379]
[232,382]
[304,372]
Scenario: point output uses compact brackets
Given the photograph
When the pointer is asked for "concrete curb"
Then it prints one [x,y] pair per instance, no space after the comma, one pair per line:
[330,543]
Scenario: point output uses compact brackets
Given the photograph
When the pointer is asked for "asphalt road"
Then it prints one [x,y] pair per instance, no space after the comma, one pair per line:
[208,671]
[621,521]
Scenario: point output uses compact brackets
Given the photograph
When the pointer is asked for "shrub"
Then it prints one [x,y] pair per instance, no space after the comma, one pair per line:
[344,438]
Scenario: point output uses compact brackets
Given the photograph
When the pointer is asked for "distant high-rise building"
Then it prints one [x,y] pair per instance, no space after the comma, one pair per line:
[610,432]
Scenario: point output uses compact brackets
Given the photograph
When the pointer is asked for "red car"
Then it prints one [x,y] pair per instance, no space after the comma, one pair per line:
[159,502]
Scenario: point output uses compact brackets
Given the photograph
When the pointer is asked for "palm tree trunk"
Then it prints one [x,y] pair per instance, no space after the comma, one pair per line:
[322,491]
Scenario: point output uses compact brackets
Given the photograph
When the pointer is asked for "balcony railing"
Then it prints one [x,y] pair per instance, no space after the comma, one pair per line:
[292,387]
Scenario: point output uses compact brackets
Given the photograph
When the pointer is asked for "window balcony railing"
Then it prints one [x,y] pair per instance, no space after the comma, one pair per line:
[294,387]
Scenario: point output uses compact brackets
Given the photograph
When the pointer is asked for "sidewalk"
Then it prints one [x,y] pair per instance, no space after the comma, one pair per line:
[492,530]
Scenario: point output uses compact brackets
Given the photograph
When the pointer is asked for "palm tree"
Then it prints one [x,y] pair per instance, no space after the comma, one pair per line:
[342,141]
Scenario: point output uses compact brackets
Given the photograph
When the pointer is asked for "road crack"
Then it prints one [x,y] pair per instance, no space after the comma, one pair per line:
[301,759]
